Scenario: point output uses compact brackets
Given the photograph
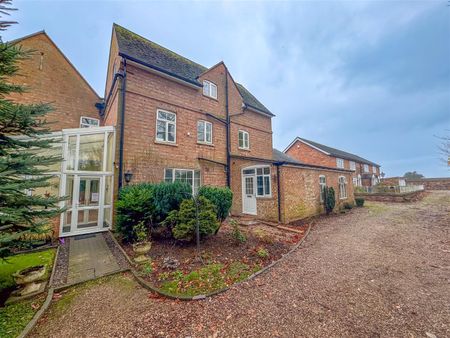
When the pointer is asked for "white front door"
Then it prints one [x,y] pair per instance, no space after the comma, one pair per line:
[248,192]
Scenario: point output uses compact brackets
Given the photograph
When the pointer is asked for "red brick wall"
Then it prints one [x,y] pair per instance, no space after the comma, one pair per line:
[309,155]
[432,183]
[51,78]
[300,191]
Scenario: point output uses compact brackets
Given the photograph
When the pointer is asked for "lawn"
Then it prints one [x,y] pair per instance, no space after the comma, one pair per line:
[14,317]
[22,261]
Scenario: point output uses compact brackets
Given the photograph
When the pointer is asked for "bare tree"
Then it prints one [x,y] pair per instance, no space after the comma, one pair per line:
[444,147]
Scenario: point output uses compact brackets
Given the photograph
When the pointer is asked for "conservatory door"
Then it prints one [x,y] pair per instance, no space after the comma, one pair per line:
[87,180]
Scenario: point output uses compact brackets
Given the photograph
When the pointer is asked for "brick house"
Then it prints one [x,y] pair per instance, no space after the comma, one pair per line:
[365,173]
[179,121]
[164,118]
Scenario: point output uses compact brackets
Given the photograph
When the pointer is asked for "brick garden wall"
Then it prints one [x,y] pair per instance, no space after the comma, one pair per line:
[432,183]
[392,197]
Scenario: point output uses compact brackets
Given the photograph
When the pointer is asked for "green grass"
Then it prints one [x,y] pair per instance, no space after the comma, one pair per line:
[14,317]
[18,262]
[209,278]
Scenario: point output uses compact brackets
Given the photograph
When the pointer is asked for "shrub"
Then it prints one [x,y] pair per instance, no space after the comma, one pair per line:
[220,197]
[168,197]
[183,222]
[359,202]
[236,233]
[348,206]
[135,205]
[329,200]
[140,232]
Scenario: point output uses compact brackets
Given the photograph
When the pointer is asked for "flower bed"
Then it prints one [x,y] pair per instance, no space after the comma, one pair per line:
[223,260]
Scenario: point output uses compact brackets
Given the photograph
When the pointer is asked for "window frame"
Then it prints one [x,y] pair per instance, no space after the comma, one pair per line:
[207,89]
[85,125]
[322,186]
[342,183]
[193,171]
[205,141]
[264,175]
[243,132]
[167,122]
[352,165]
[366,168]
[374,169]
[338,161]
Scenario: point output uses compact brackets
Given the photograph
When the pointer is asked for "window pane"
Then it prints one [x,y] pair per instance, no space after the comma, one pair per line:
[108,190]
[241,139]
[110,152]
[161,131]
[267,185]
[168,175]
[249,171]
[213,90]
[208,131]
[171,134]
[267,170]
[170,117]
[72,152]
[91,152]
[259,171]
[206,88]
[161,115]
[260,185]
[200,131]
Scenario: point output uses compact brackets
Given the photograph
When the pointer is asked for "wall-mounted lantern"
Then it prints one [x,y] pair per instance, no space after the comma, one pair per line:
[128,176]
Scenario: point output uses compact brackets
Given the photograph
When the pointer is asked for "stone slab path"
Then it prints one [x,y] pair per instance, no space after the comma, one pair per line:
[378,271]
[89,258]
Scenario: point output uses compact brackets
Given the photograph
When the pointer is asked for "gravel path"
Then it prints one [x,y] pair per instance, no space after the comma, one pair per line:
[380,271]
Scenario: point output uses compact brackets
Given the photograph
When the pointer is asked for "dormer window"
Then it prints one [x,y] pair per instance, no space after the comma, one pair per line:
[209,89]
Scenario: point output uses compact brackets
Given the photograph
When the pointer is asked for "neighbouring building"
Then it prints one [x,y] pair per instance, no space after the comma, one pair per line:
[365,173]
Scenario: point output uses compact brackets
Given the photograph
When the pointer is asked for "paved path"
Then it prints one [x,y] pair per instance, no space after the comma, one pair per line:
[89,258]
[382,271]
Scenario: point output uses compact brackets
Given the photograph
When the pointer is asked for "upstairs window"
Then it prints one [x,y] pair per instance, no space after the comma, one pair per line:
[244,142]
[166,123]
[88,122]
[209,89]
[263,182]
[342,187]
[204,132]
[352,165]
[374,169]
[189,176]
[340,163]
[366,168]
[322,186]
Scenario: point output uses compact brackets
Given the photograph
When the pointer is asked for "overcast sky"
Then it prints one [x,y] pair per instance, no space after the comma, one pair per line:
[371,78]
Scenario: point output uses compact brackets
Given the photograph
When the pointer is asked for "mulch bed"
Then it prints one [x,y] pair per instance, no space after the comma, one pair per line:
[116,252]
[62,264]
[221,249]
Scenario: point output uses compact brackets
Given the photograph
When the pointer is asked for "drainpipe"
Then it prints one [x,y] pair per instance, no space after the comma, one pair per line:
[227,125]
[279,192]
[122,122]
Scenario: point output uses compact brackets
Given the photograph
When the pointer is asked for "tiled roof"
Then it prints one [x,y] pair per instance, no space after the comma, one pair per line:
[279,156]
[171,63]
[338,153]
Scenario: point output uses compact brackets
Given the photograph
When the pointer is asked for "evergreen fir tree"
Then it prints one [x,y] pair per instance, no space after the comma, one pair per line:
[22,162]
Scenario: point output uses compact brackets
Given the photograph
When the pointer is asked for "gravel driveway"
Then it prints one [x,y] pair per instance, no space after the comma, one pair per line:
[380,271]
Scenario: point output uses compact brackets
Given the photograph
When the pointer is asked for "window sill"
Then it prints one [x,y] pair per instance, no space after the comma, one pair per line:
[264,197]
[244,149]
[173,144]
[343,198]
[205,144]
[211,98]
